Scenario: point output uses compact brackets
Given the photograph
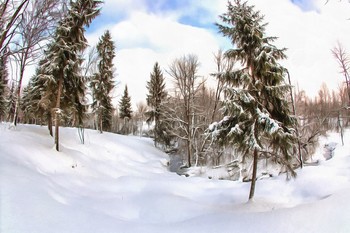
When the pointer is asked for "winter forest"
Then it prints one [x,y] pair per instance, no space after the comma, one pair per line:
[244,123]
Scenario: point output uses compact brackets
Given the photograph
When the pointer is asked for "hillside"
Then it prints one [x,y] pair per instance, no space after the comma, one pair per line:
[116,183]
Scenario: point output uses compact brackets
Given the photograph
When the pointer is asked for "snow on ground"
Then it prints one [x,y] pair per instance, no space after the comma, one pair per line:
[116,183]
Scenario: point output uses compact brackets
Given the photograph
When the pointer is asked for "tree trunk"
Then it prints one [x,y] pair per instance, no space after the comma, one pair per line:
[188,141]
[49,124]
[18,95]
[24,59]
[255,167]
[15,115]
[155,131]
[301,160]
[100,118]
[188,129]
[57,113]
[189,152]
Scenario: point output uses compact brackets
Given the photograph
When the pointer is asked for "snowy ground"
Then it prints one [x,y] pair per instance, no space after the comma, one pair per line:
[115,183]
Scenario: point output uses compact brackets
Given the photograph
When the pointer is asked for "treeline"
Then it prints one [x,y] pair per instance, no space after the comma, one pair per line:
[248,120]
[329,110]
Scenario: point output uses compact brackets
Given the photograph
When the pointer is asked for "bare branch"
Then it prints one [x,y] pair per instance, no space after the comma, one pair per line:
[344,62]
[11,22]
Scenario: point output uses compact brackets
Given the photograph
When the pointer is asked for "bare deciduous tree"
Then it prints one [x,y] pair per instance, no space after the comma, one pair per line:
[223,65]
[140,115]
[344,62]
[35,27]
[186,114]
[89,66]
[10,12]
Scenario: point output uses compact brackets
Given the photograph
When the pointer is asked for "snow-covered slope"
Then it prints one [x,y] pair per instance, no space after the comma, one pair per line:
[115,183]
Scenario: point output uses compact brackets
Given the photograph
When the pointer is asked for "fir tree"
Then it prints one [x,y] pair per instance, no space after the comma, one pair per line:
[102,83]
[125,105]
[64,61]
[11,102]
[258,120]
[38,101]
[3,86]
[155,98]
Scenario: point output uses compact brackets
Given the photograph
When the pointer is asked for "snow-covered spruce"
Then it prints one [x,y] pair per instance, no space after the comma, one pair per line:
[258,120]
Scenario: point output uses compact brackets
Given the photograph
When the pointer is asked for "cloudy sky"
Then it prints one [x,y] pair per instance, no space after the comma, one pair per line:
[149,31]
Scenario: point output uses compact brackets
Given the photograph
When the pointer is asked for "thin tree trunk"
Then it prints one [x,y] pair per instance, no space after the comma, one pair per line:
[15,114]
[189,144]
[101,125]
[347,80]
[57,113]
[49,124]
[255,167]
[156,131]
[301,160]
[341,129]
[188,129]
[15,118]
[189,152]
[10,23]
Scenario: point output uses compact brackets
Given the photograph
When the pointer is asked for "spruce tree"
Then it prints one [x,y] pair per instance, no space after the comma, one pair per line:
[38,101]
[11,102]
[64,58]
[258,119]
[102,83]
[3,86]
[125,110]
[155,98]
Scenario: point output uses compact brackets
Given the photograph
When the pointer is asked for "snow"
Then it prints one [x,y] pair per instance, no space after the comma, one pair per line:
[271,126]
[116,183]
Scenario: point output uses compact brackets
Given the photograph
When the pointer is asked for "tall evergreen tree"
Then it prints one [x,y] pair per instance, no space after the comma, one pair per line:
[258,120]
[64,58]
[11,102]
[3,86]
[38,101]
[125,110]
[102,83]
[155,98]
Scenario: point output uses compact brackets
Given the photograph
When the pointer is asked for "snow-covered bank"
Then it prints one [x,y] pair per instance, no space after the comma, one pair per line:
[116,183]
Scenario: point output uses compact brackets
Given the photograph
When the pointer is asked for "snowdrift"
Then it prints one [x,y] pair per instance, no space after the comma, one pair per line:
[115,183]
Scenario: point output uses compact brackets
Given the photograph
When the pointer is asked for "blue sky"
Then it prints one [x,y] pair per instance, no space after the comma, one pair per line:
[305,5]
[149,31]
[198,16]
[193,17]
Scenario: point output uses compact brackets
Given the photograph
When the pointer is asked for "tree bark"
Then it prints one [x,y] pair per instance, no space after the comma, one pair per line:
[57,113]
[22,67]
[49,124]
[189,144]
[101,130]
[255,167]
[155,131]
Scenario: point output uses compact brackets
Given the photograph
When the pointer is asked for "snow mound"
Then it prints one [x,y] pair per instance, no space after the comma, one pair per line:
[115,183]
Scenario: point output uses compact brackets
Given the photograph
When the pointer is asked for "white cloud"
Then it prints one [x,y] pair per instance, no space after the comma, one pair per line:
[143,38]
[113,8]
[309,37]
